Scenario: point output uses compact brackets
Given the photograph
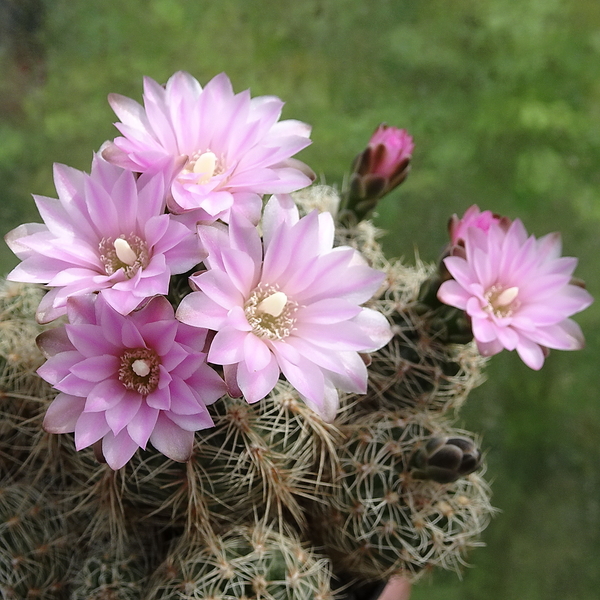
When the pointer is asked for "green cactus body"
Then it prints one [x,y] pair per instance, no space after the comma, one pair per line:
[251,563]
[270,454]
[35,560]
[388,488]
[387,522]
[104,575]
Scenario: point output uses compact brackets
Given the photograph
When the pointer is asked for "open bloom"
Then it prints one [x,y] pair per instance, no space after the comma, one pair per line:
[128,379]
[106,233]
[517,291]
[228,148]
[296,312]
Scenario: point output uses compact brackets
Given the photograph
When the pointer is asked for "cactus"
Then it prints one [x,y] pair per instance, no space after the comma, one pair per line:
[248,407]
[244,562]
[363,489]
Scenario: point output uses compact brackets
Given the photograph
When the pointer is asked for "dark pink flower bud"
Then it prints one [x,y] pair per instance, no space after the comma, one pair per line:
[473,217]
[377,170]
[391,148]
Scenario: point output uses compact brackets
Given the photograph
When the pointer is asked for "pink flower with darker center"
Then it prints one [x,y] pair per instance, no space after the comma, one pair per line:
[294,309]
[229,149]
[517,291]
[107,232]
[127,380]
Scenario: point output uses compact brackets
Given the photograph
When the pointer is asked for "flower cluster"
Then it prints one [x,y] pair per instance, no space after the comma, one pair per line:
[181,189]
[200,181]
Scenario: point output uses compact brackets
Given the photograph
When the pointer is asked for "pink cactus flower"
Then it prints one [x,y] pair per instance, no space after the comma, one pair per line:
[517,291]
[107,233]
[228,148]
[296,311]
[127,380]
[473,217]
[391,147]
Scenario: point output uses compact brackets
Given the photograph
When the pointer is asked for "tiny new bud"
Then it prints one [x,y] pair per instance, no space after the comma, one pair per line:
[445,459]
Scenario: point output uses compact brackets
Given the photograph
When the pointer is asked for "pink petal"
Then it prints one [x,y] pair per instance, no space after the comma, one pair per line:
[199,310]
[227,347]
[453,294]
[171,440]
[531,353]
[255,385]
[119,415]
[305,376]
[118,449]
[375,326]
[62,414]
[160,398]
[218,287]
[328,310]
[183,400]
[89,429]
[257,354]
[140,427]
[96,368]
[194,422]
[105,395]
[327,408]
[483,330]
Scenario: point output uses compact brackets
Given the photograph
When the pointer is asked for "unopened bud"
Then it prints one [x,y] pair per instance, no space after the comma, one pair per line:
[378,169]
[445,459]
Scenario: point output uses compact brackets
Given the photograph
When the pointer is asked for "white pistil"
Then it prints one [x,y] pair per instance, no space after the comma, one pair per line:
[506,297]
[124,252]
[140,367]
[205,166]
[273,305]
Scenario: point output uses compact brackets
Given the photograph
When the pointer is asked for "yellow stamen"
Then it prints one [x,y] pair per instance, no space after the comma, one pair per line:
[124,252]
[273,305]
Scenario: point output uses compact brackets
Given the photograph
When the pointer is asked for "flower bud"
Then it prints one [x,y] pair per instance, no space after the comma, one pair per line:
[445,459]
[473,217]
[378,169]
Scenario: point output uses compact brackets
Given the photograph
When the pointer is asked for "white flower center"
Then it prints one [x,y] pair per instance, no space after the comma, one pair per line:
[270,313]
[140,367]
[273,305]
[205,165]
[124,251]
[501,301]
[139,370]
[129,253]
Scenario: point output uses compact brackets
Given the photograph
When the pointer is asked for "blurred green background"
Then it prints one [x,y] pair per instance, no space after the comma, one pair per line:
[503,100]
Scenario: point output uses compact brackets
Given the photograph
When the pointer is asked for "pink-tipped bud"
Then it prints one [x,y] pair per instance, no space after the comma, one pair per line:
[390,150]
[378,169]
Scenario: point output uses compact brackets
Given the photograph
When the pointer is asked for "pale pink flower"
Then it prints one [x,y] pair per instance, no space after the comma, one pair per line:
[517,291]
[296,312]
[108,233]
[229,149]
[473,217]
[127,380]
